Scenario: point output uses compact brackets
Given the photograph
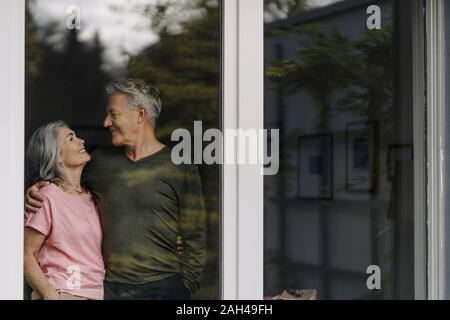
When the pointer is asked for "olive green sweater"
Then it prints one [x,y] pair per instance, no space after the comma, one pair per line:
[144,205]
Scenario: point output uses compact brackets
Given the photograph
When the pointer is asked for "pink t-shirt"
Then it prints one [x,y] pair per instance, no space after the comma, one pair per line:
[71,256]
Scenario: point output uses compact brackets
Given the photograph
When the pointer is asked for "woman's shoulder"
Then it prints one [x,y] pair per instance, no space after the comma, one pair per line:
[54,196]
[50,190]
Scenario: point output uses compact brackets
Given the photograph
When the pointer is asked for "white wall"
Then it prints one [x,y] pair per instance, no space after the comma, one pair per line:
[12,27]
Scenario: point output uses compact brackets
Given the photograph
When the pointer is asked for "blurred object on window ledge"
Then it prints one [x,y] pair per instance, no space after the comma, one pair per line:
[297,294]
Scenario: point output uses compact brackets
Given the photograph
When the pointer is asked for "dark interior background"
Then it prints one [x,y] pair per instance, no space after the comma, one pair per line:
[341,96]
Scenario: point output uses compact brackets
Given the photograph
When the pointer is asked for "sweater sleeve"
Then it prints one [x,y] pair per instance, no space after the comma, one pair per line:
[193,228]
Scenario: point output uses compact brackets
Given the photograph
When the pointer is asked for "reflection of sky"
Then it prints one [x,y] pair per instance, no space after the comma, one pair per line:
[120,25]
[320,3]
[310,4]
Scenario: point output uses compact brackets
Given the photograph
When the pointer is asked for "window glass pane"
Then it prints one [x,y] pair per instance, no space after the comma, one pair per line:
[74,48]
[341,96]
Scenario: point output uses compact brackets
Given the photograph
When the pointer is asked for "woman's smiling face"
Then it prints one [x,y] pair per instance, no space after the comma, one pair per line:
[72,152]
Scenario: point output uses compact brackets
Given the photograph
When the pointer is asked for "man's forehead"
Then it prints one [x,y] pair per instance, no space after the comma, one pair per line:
[110,105]
[114,101]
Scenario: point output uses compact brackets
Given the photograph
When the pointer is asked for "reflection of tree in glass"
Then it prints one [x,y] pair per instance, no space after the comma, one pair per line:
[342,76]
[33,53]
[371,78]
[320,72]
[64,80]
[329,64]
[185,66]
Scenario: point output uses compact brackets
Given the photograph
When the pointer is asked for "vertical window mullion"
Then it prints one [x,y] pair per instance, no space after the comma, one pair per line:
[435,126]
[250,180]
[229,173]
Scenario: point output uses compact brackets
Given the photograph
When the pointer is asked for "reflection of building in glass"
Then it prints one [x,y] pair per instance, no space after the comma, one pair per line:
[333,88]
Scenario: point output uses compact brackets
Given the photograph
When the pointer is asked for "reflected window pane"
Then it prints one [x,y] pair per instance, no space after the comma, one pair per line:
[173,45]
[343,198]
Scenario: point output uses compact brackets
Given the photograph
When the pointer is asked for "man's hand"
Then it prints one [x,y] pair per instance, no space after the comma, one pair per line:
[33,198]
[180,247]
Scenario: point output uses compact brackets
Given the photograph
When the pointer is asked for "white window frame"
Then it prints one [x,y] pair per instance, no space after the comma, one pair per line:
[12,37]
[242,189]
[435,140]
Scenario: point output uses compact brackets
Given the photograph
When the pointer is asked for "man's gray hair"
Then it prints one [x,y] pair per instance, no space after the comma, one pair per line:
[43,153]
[139,93]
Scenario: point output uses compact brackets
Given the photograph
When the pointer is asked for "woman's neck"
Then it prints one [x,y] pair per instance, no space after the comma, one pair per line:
[70,180]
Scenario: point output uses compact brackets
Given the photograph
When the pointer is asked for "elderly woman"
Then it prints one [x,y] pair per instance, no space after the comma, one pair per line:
[63,258]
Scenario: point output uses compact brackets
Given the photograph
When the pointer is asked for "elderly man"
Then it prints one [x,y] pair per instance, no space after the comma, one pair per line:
[145,201]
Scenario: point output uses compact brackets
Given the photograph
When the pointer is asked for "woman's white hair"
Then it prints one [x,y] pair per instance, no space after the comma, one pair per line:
[139,93]
[43,152]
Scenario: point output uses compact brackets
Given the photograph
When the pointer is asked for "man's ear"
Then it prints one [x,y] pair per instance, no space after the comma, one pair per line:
[142,114]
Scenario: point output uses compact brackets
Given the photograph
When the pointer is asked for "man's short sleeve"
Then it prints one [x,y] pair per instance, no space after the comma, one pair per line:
[42,220]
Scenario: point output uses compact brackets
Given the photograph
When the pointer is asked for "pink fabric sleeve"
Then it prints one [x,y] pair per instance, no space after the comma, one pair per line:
[42,220]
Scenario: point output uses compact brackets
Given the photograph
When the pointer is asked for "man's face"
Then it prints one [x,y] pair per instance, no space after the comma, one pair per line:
[121,120]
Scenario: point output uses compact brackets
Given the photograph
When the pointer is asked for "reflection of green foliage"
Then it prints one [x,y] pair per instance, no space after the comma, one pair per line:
[329,63]
[185,66]
[33,55]
[321,70]
[340,75]
[63,79]
[372,76]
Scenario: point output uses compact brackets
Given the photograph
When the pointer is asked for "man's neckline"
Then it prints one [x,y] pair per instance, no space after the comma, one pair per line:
[146,157]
